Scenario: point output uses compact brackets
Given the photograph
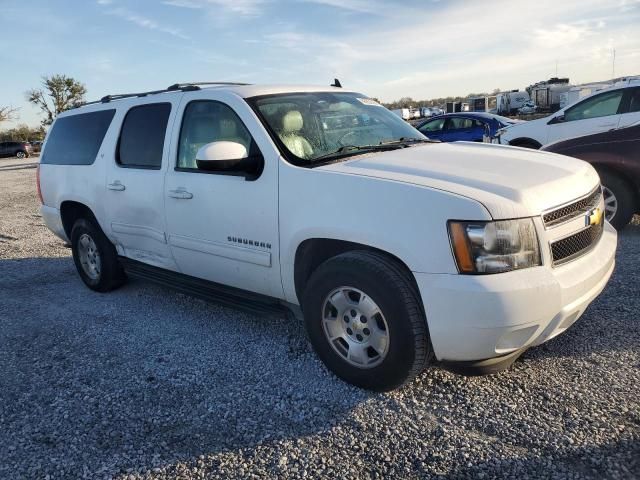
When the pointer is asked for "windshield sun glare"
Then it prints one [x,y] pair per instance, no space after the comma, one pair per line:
[316,127]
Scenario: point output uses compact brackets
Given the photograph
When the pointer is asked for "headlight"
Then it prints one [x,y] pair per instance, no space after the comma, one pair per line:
[494,247]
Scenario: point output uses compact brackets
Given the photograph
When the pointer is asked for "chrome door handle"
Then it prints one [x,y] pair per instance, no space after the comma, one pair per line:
[117,186]
[181,194]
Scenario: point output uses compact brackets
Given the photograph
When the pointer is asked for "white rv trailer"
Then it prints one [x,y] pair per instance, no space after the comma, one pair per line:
[403,113]
[509,102]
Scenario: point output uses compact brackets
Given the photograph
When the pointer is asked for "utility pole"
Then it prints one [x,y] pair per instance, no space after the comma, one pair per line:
[613,65]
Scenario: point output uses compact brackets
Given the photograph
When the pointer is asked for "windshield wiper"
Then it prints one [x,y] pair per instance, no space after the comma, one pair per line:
[407,141]
[354,149]
[348,150]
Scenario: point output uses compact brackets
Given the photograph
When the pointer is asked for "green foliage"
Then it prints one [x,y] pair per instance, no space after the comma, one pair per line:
[22,133]
[60,93]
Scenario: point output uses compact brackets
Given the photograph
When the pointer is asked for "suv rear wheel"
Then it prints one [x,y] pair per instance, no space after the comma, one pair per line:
[364,319]
[619,200]
[21,154]
[95,257]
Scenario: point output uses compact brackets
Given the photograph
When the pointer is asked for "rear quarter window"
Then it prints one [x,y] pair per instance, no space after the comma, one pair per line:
[76,139]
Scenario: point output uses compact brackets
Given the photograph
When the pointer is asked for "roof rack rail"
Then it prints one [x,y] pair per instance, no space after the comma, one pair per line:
[190,85]
[185,87]
[120,96]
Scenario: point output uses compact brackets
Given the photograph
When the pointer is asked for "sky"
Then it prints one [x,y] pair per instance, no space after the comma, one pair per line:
[385,49]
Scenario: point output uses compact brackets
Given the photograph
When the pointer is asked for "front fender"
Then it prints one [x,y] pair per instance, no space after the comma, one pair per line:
[407,221]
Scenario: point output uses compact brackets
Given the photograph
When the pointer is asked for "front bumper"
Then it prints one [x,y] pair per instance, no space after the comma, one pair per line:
[478,317]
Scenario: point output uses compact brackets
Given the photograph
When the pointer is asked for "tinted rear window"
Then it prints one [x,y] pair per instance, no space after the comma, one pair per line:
[142,136]
[75,140]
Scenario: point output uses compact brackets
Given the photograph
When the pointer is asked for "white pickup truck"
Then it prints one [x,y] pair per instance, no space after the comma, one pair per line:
[397,251]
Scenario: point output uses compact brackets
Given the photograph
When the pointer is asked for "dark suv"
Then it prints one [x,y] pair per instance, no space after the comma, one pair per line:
[15,149]
[616,156]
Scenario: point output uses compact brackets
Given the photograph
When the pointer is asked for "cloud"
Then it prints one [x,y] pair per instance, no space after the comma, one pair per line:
[363,6]
[561,35]
[183,3]
[456,51]
[100,64]
[629,5]
[242,7]
[145,22]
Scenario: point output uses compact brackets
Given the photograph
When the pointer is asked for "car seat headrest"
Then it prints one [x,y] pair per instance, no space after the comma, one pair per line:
[292,122]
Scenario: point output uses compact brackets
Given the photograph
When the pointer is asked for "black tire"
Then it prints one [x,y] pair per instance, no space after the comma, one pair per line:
[386,283]
[624,196]
[21,154]
[533,145]
[111,275]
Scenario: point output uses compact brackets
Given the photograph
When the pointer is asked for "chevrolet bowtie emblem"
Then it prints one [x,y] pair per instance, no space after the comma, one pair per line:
[594,217]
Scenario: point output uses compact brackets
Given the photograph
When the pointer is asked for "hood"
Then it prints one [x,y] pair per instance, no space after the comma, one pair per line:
[517,122]
[510,182]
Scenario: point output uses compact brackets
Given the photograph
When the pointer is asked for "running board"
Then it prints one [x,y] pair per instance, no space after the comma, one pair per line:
[205,290]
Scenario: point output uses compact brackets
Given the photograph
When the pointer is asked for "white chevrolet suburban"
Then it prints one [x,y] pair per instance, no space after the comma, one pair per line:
[396,250]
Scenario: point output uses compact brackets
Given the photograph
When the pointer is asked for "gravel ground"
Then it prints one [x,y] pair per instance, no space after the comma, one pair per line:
[147,383]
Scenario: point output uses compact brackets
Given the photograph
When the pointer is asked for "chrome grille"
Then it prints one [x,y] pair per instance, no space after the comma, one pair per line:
[575,245]
[573,210]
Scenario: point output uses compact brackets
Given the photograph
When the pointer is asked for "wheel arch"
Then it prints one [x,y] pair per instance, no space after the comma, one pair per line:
[516,142]
[71,211]
[312,252]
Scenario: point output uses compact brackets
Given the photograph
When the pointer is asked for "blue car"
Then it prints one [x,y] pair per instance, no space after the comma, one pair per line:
[466,127]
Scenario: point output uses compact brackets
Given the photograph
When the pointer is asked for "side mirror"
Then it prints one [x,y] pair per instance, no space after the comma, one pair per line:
[558,119]
[229,158]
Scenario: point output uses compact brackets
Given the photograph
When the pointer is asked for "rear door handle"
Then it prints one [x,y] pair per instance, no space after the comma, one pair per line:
[117,186]
[181,194]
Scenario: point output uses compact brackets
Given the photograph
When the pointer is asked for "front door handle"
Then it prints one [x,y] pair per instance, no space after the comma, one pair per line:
[117,186]
[181,194]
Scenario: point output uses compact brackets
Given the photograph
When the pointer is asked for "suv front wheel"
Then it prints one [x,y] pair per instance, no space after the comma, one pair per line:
[364,319]
[95,257]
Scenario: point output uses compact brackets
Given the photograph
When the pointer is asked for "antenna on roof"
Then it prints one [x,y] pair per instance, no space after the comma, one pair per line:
[336,83]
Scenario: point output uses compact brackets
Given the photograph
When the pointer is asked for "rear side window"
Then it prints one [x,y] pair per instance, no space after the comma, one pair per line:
[433,126]
[76,139]
[457,123]
[634,101]
[142,136]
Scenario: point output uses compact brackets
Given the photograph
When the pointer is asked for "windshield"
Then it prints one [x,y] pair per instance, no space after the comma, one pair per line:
[324,126]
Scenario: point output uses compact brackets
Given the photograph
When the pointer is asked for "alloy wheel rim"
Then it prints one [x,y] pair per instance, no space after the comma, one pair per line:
[355,327]
[610,203]
[89,257]
[20,155]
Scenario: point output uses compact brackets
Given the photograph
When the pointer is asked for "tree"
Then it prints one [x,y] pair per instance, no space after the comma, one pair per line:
[8,113]
[60,93]
[22,133]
